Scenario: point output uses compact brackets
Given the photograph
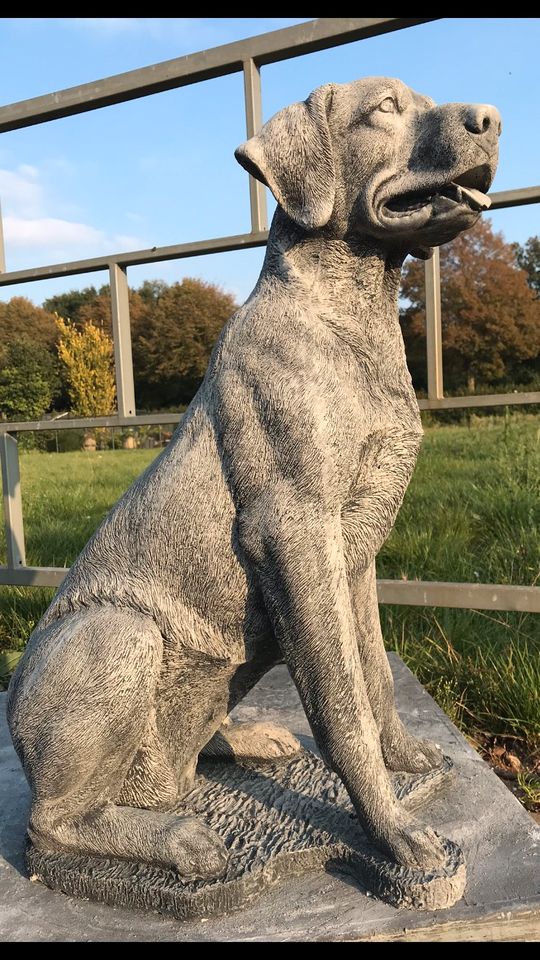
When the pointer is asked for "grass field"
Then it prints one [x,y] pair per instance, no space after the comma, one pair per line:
[472,513]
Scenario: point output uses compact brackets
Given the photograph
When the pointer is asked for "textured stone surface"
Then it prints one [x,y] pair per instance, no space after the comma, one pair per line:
[499,839]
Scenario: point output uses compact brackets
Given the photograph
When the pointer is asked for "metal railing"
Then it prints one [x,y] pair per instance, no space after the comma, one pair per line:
[245,56]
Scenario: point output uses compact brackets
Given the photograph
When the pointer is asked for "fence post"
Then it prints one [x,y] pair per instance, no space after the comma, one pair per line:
[253,101]
[123,361]
[433,327]
[13,514]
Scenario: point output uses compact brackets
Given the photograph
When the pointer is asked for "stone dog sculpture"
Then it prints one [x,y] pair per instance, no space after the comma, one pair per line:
[253,536]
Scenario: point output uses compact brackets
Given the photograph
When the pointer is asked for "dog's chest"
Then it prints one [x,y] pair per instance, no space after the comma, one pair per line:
[387,457]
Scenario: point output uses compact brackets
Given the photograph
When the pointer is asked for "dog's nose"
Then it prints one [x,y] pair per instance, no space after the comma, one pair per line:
[482,118]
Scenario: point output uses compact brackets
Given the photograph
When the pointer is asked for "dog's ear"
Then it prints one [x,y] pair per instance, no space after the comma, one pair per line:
[293,156]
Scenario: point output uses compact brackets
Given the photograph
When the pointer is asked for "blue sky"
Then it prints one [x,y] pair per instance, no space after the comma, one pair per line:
[161,170]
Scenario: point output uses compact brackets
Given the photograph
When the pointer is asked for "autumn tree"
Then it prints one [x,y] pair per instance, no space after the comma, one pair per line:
[528,258]
[98,311]
[86,355]
[68,304]
[172,349]
[29,381]
[21,319]
[93,306]
[490,315]
[173,330]
[151,290]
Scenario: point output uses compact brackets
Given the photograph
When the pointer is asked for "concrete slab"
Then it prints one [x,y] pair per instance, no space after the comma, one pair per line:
[501,844]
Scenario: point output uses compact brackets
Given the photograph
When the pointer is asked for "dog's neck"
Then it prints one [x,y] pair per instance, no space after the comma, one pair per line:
[354,276]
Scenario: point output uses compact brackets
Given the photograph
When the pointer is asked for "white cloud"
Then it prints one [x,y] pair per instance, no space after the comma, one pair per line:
[27,170]
[48,232]
[52,233]
[28,226]
[20,191]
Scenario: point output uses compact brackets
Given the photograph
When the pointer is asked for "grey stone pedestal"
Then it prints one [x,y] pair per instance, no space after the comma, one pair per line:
[500,841]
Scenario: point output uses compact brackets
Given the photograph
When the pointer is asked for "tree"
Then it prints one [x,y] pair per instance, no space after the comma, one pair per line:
[151,290]
[21,319]
[172,349]
[86,355]
[173,330]
[528,258]
[29,381]
[490,316]
[68,305]
[98,311]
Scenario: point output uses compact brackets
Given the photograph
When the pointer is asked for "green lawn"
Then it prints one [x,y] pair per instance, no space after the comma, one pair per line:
[472,513]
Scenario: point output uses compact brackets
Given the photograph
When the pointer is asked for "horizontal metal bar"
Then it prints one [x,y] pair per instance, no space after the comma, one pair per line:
[32,576]
[514,198]
[423,593]
[489,400]
[243,241]
[219,61]
[324,33]
[84,423]
[473,596]
[447,403]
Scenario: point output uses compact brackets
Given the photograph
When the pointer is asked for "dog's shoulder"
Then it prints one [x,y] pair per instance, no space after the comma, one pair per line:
[267,337]
[278,396]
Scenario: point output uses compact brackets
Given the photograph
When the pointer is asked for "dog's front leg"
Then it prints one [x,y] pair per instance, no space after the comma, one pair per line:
[401,751]
[297,549]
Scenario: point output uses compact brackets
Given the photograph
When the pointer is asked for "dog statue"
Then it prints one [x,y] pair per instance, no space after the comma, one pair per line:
[253,536]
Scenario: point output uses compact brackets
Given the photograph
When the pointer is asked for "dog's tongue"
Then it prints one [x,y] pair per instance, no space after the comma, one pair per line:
[477,199]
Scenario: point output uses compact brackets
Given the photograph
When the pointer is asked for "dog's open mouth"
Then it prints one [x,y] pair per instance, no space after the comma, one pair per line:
[469,188]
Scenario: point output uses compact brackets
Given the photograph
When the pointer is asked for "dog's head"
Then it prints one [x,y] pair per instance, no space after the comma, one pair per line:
[374,157]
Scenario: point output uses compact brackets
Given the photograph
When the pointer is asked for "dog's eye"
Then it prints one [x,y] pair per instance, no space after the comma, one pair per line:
[388,105]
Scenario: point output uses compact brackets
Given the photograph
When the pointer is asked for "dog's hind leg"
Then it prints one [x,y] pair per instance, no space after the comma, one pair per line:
[251,742]
[401,751]
[240,741]
[79,709]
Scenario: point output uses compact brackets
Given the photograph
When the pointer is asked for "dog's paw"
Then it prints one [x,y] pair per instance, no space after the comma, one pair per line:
[416,846]
[420,848]
[251,742]
[195,849]
[405,753]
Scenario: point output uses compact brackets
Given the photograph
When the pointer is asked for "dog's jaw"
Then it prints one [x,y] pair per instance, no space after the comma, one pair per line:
[437,207]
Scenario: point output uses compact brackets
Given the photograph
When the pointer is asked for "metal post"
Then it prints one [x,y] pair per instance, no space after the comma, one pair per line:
[13,514]
[123,361]
[433,327]
[2,246]
[253,100]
